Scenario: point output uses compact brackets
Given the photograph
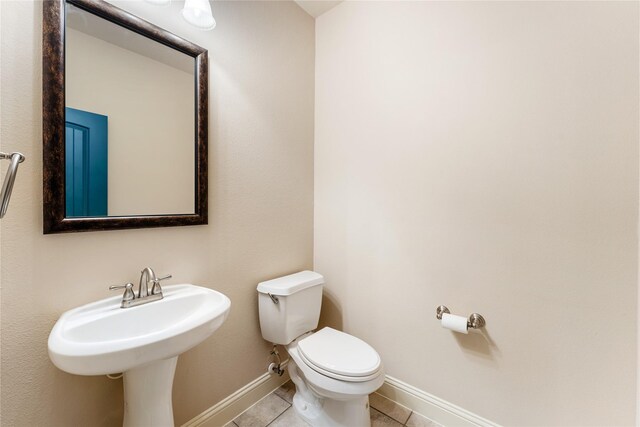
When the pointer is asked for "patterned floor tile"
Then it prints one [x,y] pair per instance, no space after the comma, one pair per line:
[289,418]
[263,412]
[286,391]
[378,419]
[417,420]
[389,408]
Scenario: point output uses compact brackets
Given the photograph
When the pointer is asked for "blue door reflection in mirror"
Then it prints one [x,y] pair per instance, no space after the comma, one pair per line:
[85,163]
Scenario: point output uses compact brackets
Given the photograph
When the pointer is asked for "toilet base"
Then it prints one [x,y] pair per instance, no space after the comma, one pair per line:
[336,413]
[322,412]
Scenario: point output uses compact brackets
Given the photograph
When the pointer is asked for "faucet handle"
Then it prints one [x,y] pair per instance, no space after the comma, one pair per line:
[156,289]
[128,295]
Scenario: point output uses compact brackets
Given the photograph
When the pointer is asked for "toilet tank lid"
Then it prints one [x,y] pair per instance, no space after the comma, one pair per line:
[291,284]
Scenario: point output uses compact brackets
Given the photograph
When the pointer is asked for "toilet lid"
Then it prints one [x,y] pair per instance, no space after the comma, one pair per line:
[333,352]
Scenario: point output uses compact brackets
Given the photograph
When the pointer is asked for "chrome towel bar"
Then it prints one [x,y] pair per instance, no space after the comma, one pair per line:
[15,159]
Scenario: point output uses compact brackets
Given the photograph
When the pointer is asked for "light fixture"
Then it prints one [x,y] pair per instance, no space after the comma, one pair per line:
[198,13]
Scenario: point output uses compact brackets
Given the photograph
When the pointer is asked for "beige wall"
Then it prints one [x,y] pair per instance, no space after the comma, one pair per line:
[151,121]
[484,155]
[260,214]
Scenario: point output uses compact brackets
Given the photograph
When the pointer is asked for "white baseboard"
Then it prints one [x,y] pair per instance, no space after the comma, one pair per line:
[426,404]
[430,406]
[235,404]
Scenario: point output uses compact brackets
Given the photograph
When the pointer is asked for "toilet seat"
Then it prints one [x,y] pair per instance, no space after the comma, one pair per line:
[339,355]
[327,386]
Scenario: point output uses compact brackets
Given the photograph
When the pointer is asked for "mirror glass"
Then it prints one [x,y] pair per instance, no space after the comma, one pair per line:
[130,121]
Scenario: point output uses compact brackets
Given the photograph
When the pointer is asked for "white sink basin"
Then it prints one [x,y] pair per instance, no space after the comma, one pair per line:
[143,342]
[102,338]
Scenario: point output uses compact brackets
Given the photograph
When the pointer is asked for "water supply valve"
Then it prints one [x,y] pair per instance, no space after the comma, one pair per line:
[275,367]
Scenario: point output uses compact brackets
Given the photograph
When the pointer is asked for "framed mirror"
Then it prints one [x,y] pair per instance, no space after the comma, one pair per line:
[124,121]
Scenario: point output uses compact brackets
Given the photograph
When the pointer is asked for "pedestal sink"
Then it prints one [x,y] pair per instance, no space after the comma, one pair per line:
[142,342]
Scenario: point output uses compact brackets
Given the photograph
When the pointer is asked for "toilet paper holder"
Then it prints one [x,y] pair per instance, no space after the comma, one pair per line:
[474,321]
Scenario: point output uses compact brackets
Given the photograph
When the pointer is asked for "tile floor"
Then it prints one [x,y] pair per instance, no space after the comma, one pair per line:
[275,410]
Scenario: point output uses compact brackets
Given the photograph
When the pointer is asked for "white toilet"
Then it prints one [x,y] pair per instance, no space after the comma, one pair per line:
[334,372]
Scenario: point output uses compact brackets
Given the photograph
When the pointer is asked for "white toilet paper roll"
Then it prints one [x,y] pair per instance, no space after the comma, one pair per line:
[455,323]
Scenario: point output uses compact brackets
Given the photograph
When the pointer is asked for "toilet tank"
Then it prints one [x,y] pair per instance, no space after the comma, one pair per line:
[293,307]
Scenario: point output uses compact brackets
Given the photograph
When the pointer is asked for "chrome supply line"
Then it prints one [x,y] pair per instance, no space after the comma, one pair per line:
[15,159]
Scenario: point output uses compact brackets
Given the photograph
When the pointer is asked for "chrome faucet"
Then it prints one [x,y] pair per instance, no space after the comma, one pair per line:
[147,275]
[130,299]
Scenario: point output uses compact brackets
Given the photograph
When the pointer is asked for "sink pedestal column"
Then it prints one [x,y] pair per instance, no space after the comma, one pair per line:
[147,394]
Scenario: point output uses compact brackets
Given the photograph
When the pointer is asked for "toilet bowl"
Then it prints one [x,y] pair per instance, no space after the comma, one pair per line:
[330,393]
[334,372]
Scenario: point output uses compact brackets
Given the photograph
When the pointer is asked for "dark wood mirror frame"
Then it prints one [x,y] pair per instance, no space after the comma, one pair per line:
[53,117]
